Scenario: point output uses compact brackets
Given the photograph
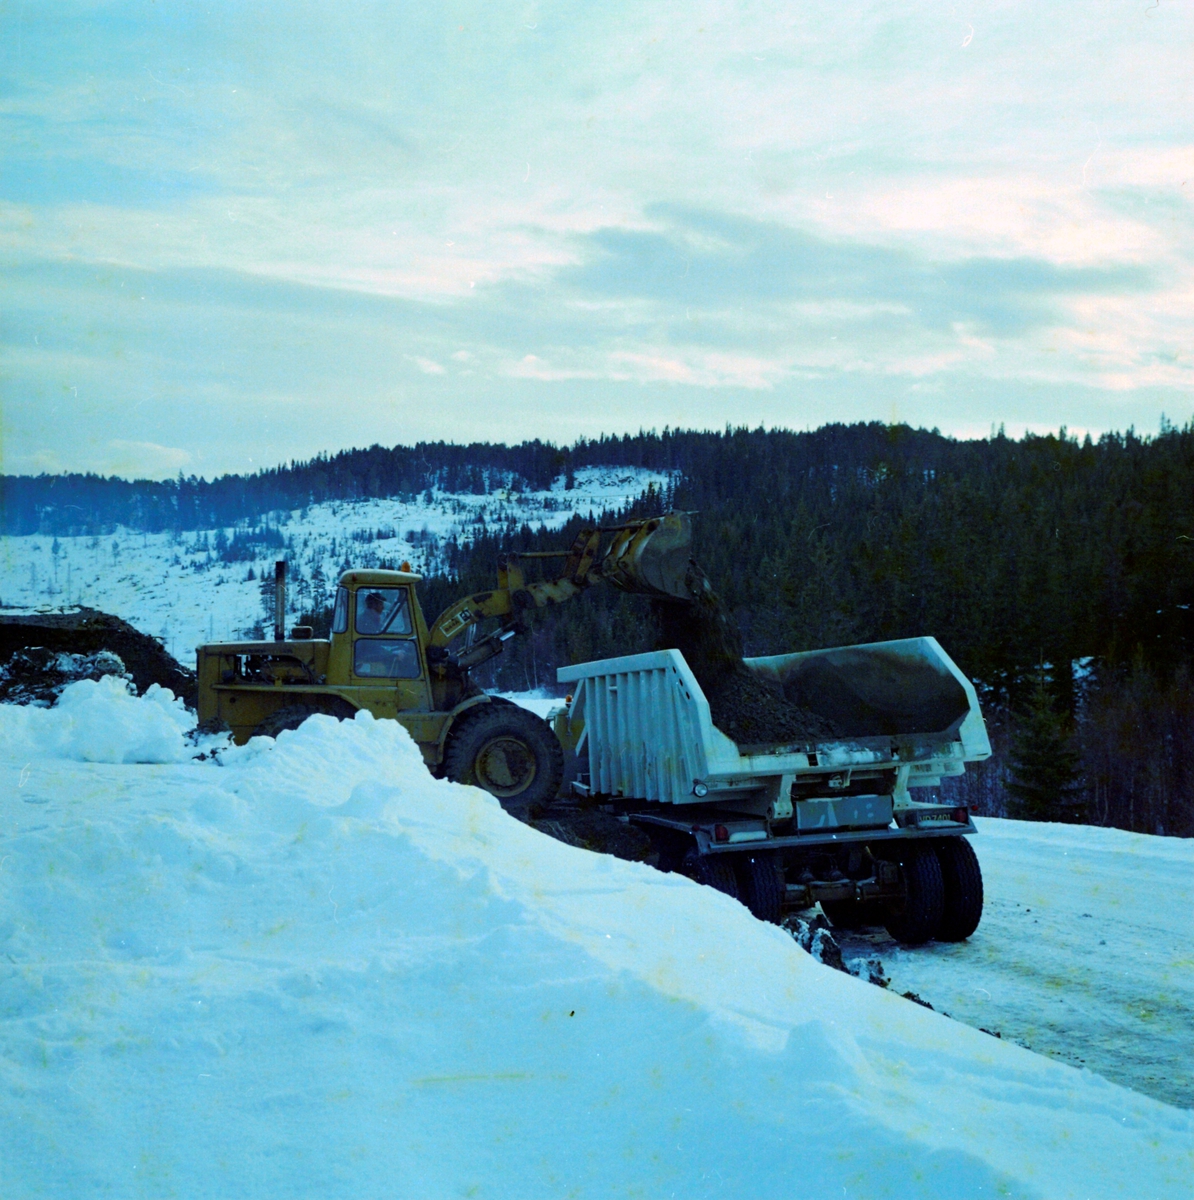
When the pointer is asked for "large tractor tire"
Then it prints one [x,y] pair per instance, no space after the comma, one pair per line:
[713,870]
[509,752]
[963,881]
[290,717]
[916,918]
[761,882]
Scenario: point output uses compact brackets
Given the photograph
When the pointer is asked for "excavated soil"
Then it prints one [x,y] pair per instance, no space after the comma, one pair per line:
[592,829]
[31,646]
[37,675]
[745,707]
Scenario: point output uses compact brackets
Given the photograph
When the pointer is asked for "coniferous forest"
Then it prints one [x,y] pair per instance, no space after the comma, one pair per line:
[1057,572]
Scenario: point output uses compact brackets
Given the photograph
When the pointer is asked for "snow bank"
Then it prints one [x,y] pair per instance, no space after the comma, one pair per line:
[100,721]
[311,970]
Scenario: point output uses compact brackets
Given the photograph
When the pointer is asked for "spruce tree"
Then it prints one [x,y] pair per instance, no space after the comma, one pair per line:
[1043,763]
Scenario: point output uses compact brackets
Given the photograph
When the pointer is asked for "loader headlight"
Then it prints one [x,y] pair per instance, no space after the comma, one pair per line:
[699,788]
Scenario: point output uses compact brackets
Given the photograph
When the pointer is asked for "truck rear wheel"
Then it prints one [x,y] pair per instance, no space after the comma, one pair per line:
[962,878]
[762,887]
[713,870]
[916,918]
[509,752]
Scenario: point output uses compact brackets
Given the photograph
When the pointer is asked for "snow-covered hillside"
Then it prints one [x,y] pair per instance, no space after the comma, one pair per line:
[305,968]
[183,588]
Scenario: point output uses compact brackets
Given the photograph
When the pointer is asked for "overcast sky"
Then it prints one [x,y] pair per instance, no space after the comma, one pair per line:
[236,233]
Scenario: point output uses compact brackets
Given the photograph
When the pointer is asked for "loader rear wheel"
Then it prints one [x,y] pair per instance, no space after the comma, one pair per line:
[916,918]
[509,752]
[290,717]
[762,887]
[962,878]
[713,870]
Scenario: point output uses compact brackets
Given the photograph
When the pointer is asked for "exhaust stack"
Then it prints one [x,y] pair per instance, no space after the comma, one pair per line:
[280,600]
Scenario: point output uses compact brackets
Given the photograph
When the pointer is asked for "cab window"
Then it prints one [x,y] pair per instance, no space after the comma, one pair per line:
[386,658]
[383,610]
[340,612]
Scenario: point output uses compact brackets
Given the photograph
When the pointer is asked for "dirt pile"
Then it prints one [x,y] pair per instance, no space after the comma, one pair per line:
[37,675]
[592,829]
[745,707]
[32,646]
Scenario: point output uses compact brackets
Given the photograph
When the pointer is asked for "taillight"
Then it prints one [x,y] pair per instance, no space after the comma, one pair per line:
[721,833]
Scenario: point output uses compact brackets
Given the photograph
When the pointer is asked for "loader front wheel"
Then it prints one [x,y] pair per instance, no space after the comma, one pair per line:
[509,752]
[963,881]
[916,918]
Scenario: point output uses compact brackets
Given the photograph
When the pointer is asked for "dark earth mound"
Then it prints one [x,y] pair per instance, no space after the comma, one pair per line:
[37,675]
[592,829]
[744,706]
[85,632]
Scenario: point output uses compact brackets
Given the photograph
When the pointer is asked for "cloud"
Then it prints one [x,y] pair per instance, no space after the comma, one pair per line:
[258,234]
[719,260]
[427,365]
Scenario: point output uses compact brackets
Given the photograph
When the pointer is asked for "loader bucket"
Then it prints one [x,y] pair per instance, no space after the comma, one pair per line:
[653,558]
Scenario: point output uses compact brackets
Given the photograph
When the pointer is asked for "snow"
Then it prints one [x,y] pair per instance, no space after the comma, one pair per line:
[1084,952]
[305,968]
[538,700]
[101,720]
[176,587]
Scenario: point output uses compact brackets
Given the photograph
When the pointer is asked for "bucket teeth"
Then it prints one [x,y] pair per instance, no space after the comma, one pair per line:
[653,558]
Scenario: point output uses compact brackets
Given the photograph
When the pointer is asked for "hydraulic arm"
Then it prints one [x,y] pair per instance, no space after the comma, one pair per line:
[647,557]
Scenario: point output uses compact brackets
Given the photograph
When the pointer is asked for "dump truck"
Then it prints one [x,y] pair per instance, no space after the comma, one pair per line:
[786,825]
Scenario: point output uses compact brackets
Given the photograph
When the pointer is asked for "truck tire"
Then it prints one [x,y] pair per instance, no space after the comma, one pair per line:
[290,717]
[762,887]
[916,918]
[713,870]
[509,752]
[962,878]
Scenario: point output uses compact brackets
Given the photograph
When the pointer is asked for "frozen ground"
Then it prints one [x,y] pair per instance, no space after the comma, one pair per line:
[1085,952]
[179,588]
[305,968]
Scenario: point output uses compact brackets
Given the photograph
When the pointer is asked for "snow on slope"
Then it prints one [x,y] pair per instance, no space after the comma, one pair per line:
[1085,952]
[315,971]
[176,587]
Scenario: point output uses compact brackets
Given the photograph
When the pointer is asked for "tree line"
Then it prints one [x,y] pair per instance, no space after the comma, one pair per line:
[1058,572]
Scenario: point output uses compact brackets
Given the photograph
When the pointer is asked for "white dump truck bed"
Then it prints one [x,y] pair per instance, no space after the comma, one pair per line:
[902,708]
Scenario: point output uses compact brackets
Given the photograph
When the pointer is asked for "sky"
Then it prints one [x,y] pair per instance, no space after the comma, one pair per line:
[232,235]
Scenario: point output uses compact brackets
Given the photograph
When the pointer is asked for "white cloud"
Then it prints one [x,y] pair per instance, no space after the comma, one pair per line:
[427,365]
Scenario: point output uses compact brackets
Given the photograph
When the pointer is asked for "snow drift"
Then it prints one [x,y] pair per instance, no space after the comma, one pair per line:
[308,969]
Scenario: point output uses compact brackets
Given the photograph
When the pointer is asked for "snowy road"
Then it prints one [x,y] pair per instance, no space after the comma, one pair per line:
[1085,952]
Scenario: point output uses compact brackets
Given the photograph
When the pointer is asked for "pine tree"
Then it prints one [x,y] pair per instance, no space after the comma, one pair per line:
[1043,763]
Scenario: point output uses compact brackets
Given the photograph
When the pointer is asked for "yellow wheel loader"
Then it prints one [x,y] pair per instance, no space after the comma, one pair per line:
[383,656]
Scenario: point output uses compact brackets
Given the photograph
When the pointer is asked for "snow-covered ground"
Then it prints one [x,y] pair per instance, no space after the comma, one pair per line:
[1085,952]
[178,588]
[305,968]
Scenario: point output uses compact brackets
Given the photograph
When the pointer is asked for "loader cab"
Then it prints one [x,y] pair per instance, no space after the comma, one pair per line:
[379,636]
